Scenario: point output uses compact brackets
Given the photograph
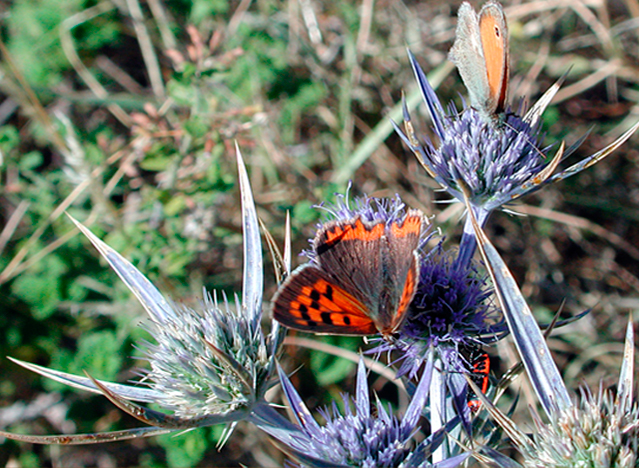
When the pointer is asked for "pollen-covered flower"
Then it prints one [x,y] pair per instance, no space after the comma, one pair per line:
[361,437]
[592,431]
[208,361]
[601,430]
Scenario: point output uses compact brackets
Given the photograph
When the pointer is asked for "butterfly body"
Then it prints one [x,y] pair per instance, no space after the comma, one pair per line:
[480,53]
[361,282]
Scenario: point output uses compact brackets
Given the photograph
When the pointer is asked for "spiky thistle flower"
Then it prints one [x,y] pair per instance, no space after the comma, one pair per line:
[595,431]
[490,161]
[496,164]
[369,209]
[208,366]
[361,437]
[452,312]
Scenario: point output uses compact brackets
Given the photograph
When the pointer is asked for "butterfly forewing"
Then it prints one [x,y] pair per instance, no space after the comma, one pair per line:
[310,301]
[403,267]
[494,38]
[468,55]
[351,254]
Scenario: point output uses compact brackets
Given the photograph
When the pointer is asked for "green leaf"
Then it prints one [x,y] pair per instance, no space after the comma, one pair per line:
[40,286]
[9,138]
[100,354]
[185,449]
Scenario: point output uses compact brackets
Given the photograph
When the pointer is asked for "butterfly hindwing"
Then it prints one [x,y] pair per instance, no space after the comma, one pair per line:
[494,37]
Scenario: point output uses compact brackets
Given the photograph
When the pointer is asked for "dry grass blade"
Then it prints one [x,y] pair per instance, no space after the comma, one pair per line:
[33,101]
[87,439]
[12,224]
[582,223]
[15,266]
[276,256]
[385,127]
[69,49]
[148,51]
[602,72]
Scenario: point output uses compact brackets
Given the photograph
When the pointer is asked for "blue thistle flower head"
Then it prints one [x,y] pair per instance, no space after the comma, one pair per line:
[493,161]
[358,436]
[452,304]
[452,310]
[496,161]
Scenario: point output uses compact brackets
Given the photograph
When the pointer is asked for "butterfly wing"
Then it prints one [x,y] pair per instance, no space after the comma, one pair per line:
[309,300]
[402,267]
[376,263]
[468,55]
[351,254]
[494,38]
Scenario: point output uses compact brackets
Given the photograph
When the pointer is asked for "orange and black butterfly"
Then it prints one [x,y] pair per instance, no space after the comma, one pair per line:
[361,282]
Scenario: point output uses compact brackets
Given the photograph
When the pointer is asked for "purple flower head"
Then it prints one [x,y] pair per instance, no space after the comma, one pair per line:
[451,305]
[370,209]
[452,311]
[497,161]
[358,436]
[492,161]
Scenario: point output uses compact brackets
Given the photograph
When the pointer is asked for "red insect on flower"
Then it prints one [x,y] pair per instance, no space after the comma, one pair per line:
[480,362]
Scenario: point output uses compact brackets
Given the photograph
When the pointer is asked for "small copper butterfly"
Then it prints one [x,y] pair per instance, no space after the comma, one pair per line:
[361,282]
[480,53]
